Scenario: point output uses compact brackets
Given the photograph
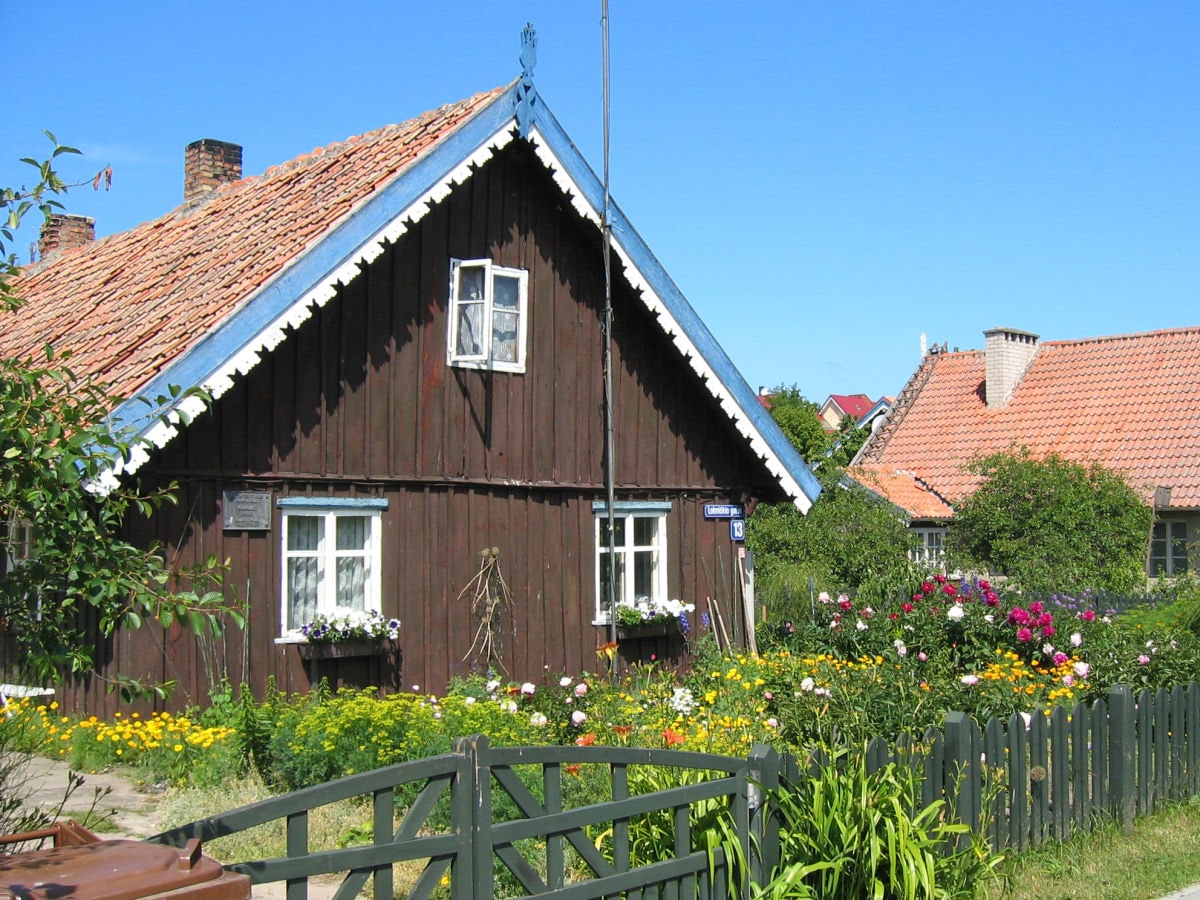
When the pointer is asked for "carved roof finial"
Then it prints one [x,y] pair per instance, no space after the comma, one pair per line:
[525,92]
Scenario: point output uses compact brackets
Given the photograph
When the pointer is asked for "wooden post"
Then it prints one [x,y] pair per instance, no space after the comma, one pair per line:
[961,771]
[764,818]
[1121,742]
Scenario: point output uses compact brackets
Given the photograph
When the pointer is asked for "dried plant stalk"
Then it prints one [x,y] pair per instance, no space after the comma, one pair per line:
[490,597]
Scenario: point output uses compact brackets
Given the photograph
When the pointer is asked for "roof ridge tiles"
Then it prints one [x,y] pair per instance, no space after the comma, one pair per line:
[1131,336]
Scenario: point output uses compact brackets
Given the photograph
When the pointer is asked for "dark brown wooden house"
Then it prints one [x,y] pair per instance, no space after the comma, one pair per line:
[403,337]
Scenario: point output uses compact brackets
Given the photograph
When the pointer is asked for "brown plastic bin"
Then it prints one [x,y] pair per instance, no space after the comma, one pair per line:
[77,867]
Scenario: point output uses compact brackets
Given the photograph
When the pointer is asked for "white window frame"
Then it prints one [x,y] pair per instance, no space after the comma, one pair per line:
[330,510]
[1175,533]
[628,512]
[486,359]
[932,551]
[18,543]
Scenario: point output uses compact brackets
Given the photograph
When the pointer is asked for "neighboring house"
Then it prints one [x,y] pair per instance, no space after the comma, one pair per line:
[1128,402]
[403,337]
[838,407]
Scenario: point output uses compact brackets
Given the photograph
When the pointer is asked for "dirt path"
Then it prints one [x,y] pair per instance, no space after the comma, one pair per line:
[126,806]
[129,808]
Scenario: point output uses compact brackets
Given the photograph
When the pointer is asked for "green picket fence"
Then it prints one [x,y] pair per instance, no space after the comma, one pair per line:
[482,812]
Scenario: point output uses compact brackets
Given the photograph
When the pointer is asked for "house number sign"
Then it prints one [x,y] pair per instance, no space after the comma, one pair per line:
[246,510]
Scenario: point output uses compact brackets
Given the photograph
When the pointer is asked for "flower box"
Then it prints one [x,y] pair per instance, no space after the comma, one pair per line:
[345,649]
[647,630]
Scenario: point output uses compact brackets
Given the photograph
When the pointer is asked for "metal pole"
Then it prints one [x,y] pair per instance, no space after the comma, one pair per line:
[606,328]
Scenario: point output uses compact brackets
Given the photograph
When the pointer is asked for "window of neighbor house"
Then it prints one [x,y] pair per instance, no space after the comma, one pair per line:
[17,544]
[640,547]
[488,316]
[330,560]
[931,547]
[1168,548]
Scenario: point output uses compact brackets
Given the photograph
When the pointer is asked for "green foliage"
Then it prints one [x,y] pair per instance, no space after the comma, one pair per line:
[799,420]
[849,834]
[1046,522]
[58,452]
[849,540]
[850,439]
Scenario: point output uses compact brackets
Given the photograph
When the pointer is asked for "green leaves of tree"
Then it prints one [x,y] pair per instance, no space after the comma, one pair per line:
[56,446]
[1049,523]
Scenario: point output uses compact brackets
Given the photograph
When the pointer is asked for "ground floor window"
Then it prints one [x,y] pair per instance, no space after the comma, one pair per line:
[1169,548]
[639,551]
[931,547]
[330,558]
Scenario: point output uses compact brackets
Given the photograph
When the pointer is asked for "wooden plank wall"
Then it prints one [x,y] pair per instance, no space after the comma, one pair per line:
[359,401]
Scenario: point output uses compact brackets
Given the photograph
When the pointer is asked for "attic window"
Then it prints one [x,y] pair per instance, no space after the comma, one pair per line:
[488,309]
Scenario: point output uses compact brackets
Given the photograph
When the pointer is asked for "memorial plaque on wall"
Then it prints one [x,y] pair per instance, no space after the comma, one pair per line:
[246,510]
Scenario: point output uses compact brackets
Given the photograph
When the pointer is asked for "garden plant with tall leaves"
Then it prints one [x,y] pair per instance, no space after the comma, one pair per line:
[63,552]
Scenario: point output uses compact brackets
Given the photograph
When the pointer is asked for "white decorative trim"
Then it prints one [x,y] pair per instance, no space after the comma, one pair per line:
[671,327]
[269,337]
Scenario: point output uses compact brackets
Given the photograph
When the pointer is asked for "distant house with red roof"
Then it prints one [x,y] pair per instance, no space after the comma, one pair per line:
[838,407]
[403,336]
[1127,402]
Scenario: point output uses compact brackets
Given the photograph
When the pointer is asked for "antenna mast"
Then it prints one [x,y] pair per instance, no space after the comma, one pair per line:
[606,329]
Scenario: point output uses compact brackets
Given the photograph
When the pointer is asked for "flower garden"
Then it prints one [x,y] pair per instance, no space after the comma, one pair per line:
[843,673]
[836,676]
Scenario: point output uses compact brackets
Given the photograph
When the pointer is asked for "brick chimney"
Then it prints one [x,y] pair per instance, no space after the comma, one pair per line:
[62,232]
[1009,353]
[208,164]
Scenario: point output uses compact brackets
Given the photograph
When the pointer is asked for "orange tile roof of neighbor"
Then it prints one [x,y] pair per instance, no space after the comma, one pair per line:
[105,301]
[1129,402]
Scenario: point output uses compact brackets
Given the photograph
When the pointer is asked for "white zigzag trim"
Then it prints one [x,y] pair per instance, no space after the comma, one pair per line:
[268,338]
[671,327]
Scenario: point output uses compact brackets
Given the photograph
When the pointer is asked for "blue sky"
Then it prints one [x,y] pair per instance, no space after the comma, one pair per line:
[824,181]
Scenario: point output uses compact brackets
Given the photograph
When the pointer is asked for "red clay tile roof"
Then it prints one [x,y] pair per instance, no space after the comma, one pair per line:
[905,490]
[1128,402]
[127,305]
[854,405]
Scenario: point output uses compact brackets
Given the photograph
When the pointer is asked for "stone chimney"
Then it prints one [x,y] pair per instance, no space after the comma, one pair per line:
[1009,353]
[208,164]
[62,232]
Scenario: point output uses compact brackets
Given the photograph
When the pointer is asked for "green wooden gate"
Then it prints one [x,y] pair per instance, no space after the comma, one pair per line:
[503,814]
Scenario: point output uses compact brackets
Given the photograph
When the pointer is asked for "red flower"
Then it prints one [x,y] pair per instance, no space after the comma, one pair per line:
[586,740]
[926,587]
[940,579]
[572,769]
[907,607]
[672,737]
[949,590]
